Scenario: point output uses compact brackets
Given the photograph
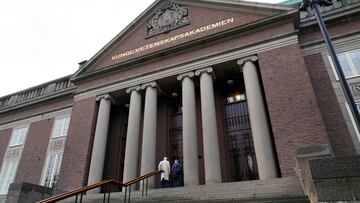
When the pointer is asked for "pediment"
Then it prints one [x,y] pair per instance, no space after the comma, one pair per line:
[168,23]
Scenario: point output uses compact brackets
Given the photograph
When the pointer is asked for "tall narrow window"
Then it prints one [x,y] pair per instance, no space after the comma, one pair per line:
[61,127]
[18,137]
[52,172]
[7,175]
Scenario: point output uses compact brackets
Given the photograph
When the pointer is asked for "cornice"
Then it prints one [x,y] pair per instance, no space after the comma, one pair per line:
[37,100]
[332,15]
[62,111]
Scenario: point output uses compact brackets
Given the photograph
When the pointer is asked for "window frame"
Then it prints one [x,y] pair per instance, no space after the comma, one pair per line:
[11,144]
[54,170]
[61,129]
[15,163]
[350,62]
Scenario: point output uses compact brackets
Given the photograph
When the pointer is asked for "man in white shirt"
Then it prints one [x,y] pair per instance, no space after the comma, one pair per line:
[164,165]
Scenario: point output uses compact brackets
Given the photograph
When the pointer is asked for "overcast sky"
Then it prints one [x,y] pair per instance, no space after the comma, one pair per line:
[42,40]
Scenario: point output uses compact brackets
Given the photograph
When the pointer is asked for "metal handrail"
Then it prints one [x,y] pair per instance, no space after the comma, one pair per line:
[81,191]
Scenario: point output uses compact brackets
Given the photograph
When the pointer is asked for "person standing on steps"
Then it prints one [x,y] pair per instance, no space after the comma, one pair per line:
[164,166]
[176,170]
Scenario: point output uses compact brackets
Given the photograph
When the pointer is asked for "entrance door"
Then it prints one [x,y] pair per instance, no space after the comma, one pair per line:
[240,143]
[175,131]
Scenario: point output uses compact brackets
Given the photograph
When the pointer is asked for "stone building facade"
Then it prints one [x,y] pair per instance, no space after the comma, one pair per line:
[230,88]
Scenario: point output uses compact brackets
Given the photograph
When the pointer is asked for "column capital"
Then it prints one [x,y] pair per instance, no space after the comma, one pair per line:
[241,61]
[209,70]
[105,96]
[150,84]
[135,88]
[184,75]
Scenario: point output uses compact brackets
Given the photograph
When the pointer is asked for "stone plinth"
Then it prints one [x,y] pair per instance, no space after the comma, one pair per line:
[27,193]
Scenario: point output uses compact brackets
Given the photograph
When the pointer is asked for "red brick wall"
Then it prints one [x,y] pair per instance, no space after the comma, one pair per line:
[295,117]
[34,152]
[78,146]
[336,128]
[4,141]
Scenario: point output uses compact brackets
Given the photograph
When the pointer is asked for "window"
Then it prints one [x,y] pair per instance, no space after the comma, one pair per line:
[350,63]
[18,137]
[61,127]
[52,170]
[7,175]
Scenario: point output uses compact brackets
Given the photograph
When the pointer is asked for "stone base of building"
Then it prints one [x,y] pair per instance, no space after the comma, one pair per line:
[27,193]
[327,179]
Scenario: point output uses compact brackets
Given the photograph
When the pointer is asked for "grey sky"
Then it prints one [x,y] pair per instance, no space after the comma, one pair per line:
[43,40]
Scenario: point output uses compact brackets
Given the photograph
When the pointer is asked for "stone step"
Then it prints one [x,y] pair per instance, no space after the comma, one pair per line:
[276,190]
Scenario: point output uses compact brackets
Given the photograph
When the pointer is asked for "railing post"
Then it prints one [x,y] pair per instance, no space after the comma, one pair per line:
[76,198]
[142,191]
[104,196]
[147,185]
[81,197]
[109,196]
[125,194]
[129,193]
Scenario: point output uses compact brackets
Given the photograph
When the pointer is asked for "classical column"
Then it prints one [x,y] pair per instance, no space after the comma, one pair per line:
[209,126]
[260,129]
[133,134]
[190,147]
[148,153]
[100,140]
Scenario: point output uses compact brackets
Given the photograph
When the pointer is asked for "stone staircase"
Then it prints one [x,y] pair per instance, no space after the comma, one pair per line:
[277,190]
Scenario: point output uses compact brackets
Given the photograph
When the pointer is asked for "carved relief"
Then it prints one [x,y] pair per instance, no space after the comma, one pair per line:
[355,89]
[13,153]
[57,144]
[169,16]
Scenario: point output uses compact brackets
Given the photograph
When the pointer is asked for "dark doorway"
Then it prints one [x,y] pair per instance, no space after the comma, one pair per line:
[115,154]
[175,130]
[242,158]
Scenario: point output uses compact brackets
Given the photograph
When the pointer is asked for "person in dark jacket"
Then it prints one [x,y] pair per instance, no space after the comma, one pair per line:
[176,170]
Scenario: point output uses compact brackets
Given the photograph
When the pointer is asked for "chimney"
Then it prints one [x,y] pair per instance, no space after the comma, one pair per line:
[82,63]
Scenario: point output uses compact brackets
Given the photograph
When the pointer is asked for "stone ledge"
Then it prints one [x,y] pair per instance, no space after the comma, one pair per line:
[339,167]
[27,193]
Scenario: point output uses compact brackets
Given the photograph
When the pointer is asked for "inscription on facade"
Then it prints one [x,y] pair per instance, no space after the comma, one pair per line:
[170,16]
[174,38]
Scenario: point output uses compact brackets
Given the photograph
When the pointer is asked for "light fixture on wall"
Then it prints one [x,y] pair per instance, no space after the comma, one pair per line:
[230,82]
[174,94]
